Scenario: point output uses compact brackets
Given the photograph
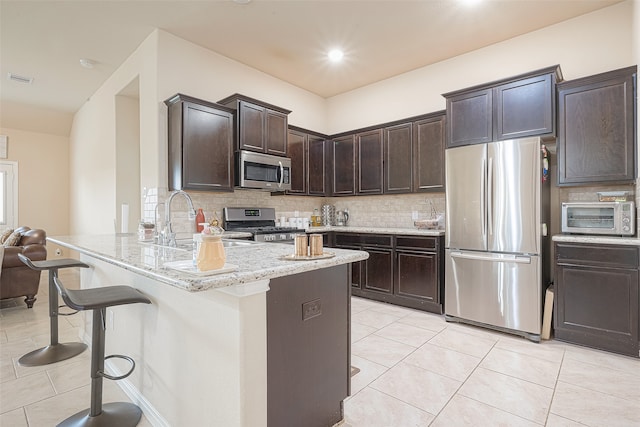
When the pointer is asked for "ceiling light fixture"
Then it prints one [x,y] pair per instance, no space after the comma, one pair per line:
[335,55]
[19,79]
[87,63]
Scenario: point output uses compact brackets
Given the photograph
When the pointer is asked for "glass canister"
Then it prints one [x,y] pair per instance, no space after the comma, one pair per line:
[211,255]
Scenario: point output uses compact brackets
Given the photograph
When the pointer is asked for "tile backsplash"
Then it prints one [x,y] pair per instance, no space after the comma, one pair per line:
[394,210]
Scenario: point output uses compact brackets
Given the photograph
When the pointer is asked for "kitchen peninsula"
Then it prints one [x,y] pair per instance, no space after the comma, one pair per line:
[264,345]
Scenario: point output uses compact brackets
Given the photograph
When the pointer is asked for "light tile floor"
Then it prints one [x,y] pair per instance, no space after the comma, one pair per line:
[418,370]
[415,370]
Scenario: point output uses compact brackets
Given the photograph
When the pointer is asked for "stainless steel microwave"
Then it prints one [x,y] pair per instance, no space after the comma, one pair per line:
[609,218]
[262,171]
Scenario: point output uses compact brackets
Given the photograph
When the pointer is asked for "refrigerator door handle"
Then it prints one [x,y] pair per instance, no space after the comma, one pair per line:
[519,259]
[490,197]
[483,199]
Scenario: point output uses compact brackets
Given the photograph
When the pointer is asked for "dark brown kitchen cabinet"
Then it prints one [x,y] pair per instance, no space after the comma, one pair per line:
[596,302]
[260,126]
[402,270]
[297,152]
[597,130]
[398,159]
[307,152]
[200,145]
[343,161]
[318,177]
[369,162]
[428,153]
[516,107]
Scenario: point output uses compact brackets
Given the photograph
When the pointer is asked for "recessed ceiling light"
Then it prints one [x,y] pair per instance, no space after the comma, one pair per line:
[87,63]
[19,79]
[470,3]
[335,55]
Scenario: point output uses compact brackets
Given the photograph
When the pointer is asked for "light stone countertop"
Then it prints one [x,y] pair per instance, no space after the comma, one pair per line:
[377,230]
[255,262]
[604,240]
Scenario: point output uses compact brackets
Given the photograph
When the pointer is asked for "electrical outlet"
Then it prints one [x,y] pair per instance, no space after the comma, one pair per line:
[414,215]
[311,309]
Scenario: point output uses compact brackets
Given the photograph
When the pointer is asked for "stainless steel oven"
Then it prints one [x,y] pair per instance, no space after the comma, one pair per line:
[608,218]
[260,222]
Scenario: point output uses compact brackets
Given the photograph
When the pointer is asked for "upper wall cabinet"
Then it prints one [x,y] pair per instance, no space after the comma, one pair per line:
[369,162]
[260,127]
[343,161]
[307,152]
[517,107]
[596,129]
[200,145]
[428,153]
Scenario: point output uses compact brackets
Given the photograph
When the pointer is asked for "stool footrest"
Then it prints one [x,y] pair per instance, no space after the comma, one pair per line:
[67,314]
[121,377]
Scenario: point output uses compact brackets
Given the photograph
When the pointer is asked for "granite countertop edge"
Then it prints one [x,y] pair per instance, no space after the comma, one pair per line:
[254,263]
[604,240]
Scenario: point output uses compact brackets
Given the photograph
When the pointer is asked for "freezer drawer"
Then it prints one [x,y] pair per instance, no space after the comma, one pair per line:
[501,290]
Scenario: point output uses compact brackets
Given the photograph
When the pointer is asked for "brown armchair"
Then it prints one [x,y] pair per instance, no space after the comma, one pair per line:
[17,279]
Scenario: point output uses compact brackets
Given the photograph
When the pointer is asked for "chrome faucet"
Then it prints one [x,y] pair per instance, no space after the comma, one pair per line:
[169,235]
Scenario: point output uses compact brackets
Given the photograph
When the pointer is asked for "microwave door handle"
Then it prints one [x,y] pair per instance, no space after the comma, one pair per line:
[281,174]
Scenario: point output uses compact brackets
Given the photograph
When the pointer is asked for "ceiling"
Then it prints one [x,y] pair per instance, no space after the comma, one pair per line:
[287,39]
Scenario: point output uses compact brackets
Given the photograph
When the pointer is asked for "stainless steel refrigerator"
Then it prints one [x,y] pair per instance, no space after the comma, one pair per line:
[497,206]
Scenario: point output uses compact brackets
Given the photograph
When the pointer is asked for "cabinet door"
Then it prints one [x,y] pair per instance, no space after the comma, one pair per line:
[343,156]
[356,267]
[398,159]
[428,154]
[369,161]
[596,138]
[417,275]
[378,270]
[297,153]
[251,125]
[597,307]
[470,118]
[275,133]
[317,166]
[525,108]
[207,149]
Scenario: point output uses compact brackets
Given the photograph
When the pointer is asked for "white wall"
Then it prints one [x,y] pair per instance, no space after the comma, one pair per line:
[590,44]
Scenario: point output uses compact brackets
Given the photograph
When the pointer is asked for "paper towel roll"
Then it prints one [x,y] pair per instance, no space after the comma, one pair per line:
[124,218]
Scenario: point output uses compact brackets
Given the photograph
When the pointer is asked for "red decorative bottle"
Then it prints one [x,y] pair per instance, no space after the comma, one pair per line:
[200,220]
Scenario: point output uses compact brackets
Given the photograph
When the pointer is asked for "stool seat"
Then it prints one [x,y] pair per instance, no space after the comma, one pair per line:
[55,351]
[50,264]
[91,299]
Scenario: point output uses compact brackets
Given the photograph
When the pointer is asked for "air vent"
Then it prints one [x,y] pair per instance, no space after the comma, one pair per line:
[20,79]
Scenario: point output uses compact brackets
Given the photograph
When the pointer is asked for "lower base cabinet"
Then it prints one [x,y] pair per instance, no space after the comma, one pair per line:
[597,298]
[402,270]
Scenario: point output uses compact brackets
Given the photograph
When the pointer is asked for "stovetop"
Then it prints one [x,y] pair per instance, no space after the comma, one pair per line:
[271,229]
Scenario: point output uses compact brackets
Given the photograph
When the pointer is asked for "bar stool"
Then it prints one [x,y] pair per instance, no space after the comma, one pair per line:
[121,414]
[55,351]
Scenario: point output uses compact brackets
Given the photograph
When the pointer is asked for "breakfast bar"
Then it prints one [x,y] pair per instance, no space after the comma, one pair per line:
[263,343]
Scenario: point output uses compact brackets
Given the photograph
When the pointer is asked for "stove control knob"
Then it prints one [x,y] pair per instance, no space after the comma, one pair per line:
[269,238]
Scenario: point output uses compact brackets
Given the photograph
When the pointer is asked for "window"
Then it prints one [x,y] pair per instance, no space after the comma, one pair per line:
[8,194]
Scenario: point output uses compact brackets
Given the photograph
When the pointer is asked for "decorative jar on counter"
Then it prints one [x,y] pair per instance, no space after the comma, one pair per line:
[211,254]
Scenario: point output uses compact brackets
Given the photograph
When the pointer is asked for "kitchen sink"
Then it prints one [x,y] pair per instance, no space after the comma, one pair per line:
[187,244]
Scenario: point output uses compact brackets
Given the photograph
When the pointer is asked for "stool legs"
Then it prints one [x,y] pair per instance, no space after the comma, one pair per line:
[55,351]
[121,414]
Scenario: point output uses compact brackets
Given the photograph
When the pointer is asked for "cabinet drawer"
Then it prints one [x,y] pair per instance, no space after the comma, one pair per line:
[417,243]
[363,239]
[597,255]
